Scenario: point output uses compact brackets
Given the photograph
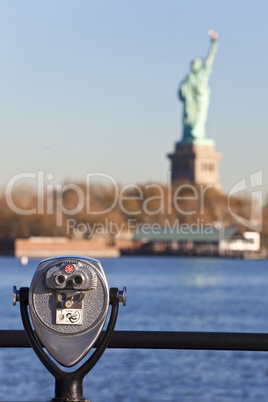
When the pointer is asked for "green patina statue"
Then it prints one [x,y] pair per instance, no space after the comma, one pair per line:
[194,92]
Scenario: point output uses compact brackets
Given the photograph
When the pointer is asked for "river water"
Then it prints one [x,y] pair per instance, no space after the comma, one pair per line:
[163,294]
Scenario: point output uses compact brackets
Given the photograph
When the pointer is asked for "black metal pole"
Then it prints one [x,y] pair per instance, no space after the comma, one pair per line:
[69,388]
[162,340]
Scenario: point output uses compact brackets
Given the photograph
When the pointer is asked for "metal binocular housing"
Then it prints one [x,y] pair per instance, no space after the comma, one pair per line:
[68,301]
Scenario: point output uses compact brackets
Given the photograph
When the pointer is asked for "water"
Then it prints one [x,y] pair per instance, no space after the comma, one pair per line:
[163,294]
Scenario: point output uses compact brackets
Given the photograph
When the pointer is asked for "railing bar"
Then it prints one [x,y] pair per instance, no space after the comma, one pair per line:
[163,340]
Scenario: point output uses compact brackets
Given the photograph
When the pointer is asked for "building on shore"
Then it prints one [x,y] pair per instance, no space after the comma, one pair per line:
[46,247]
[225,242]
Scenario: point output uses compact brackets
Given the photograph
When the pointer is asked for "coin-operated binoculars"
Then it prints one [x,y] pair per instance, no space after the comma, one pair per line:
[68,301]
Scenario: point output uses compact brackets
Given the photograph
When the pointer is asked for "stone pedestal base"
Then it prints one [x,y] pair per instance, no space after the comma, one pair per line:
[197,163]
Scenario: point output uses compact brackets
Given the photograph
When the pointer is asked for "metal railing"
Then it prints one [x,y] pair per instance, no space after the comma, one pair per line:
[162,340]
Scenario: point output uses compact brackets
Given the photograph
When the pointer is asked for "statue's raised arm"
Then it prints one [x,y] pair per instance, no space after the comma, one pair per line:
[214,45]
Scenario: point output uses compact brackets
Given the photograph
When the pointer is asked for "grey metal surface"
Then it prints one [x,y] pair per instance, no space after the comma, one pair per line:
[16,295]
[69,343]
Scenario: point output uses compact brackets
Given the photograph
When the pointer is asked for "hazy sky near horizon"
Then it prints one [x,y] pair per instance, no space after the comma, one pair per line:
[91,86]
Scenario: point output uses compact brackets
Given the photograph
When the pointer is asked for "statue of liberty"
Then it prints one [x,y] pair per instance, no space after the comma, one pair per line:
[194,92]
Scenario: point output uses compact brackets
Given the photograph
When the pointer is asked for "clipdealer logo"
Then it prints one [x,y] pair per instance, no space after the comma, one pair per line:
[254,187]
[50,197]
[87,230]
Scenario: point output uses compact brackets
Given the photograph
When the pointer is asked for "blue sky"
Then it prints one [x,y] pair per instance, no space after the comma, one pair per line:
[91,86]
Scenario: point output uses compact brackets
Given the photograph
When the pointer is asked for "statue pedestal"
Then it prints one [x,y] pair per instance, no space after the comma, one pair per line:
[196,163]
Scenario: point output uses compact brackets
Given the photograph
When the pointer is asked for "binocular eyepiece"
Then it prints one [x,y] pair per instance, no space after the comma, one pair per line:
[75,276]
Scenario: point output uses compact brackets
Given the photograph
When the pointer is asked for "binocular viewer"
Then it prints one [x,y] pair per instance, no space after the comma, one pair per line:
[68,301]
